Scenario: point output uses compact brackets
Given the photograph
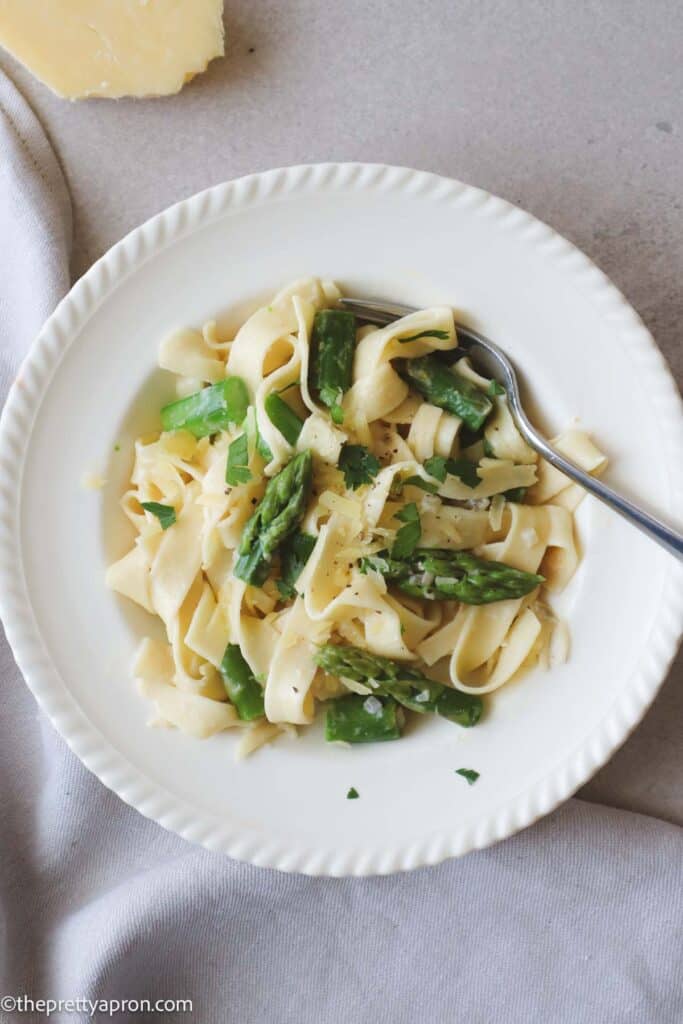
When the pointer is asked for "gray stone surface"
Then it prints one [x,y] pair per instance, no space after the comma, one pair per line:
[572,111]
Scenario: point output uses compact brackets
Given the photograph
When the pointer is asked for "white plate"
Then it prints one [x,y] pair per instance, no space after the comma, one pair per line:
[90,383]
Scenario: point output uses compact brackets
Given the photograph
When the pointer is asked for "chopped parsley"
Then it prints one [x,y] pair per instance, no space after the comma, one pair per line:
[358,465]
[164,513]
[516,494]
[294,554]
[466,471]
[337,414]
[376,563]
[237,469]
[408,537]
[436,467]
[262,448]
[494,389]
[418,481]
[352,794]
[441,335]
[469,774]
[117,447]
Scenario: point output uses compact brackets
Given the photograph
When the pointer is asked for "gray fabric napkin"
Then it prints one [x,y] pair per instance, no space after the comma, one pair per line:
[578,919]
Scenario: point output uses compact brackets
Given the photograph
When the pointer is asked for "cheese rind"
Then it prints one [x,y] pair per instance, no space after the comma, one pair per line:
[82,48]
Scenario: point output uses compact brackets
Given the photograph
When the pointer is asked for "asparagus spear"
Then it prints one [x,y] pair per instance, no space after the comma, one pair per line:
[277,515]
[439,574]
[294,553]
[446,388]
[357,719]
[407,685]
[209,410]
[241,685]
[333,344]
[237,466]
[283,417]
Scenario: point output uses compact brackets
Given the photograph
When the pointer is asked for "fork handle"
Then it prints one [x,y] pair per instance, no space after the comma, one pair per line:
[654,528]
[671,540]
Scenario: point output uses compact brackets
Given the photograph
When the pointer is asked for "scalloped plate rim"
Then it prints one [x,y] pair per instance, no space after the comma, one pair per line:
[86,741]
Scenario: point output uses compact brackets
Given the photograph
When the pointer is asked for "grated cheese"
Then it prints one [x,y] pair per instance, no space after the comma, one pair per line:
[345,506]
[496,511]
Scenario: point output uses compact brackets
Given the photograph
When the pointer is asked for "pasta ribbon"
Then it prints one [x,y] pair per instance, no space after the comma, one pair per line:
[393,476]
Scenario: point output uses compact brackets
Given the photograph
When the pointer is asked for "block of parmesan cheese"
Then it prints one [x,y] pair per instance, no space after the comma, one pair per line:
[86,48]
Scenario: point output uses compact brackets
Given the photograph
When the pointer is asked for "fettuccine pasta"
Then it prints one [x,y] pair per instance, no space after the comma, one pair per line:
[341,515]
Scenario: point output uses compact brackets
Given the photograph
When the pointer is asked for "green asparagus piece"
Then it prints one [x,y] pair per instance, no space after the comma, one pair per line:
[407,685]
[283,417]
[277,515]
[241,685]
[446,388]
[333,345]
[357,719]
[439,574]
[237,466]
[209,410]
[294,554]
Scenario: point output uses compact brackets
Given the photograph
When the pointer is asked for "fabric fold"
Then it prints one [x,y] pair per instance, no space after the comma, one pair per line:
[578,919]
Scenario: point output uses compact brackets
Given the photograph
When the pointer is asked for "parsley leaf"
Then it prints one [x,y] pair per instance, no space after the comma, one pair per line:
[495,388]
[358,465]
[436,467]
[262,448]
[376,563]
[469,774]
[237,469]
[352,794]
[408,537]
[466,471]
[164,513]
[441,335]
[516,494]
[294,553]
[418,481]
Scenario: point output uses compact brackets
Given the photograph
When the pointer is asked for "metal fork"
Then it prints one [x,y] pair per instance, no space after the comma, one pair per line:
[495,362]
